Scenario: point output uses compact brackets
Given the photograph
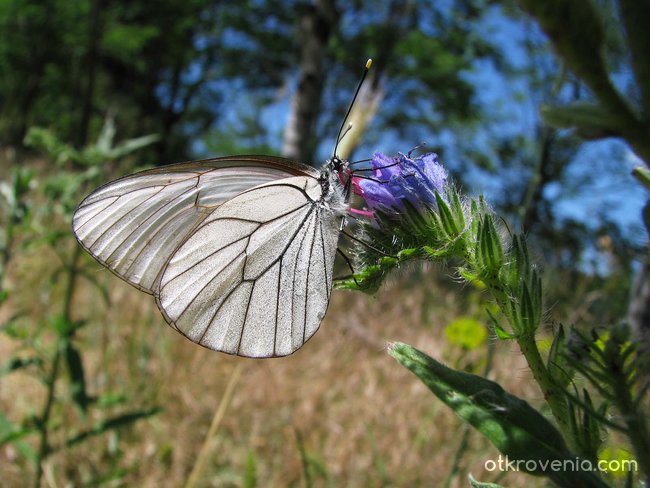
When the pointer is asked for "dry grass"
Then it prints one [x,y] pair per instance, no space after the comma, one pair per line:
[358,417]
[361,419]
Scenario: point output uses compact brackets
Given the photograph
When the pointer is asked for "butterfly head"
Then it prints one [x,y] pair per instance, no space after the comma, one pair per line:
[336,171]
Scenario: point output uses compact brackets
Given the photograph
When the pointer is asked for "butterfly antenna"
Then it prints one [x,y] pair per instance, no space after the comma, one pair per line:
[341,134]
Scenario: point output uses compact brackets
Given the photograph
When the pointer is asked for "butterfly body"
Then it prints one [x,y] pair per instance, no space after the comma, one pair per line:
[238,251]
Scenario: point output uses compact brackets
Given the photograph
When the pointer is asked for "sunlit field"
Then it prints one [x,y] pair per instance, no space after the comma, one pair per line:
[339,412]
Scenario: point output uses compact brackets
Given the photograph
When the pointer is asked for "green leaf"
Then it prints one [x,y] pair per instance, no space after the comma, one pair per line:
[46,141]
[500,332]
[518,430]
[65,327]
[122,420]
[11,433]
[110,399]
[405,254]
[469,276]
[503,334]
[476,209]
[479,484]
[590,435]
[436,253]
[557,365]
[591,121]
[77,377]
[16,330]
[16,363]
[106,136]
[131,145]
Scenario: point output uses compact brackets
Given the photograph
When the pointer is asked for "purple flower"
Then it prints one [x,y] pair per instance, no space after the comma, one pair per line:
[401,182]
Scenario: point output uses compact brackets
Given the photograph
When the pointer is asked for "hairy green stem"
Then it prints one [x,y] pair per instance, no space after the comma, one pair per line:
[43,420]
[553,394]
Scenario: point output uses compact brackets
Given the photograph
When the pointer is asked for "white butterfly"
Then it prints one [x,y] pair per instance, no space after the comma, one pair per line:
[238,251]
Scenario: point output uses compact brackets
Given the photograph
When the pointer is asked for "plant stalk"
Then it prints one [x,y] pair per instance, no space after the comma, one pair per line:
[43,420]
[199,466]
[553,395]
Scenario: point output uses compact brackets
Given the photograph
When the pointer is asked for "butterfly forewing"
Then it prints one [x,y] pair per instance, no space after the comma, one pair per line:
[134,225]
[254,277]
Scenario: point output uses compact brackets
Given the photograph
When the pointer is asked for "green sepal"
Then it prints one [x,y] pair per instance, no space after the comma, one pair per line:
[457,208]
[499,331]
[557,365]
[468,276]
[489,253]
[447,220]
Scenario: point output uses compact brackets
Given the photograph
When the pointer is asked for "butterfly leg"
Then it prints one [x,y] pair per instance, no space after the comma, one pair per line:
[349,263]
[363,243]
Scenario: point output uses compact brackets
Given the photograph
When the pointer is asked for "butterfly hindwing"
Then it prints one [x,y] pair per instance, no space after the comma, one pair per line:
[254,277]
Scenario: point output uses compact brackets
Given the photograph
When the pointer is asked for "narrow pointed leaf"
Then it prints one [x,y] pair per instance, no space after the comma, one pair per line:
[590,120]
[16,363]
[77,377]
[447,218]
[122,420]
[557,365]
[479,484]
[511,424]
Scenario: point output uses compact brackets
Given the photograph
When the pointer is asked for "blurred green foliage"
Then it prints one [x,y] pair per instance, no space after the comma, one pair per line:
[49,349]
[467,332]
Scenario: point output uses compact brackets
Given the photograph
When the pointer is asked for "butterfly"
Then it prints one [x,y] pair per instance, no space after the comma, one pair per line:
[238,251]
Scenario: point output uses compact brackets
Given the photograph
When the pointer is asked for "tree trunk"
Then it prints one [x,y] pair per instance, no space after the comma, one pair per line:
[316,25]
[94,36]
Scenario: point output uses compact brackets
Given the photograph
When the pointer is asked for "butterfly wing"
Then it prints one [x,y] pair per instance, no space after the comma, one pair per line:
[255,276]
[134,224]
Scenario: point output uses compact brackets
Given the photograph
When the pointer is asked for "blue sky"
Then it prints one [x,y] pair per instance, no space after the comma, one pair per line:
[599,182]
